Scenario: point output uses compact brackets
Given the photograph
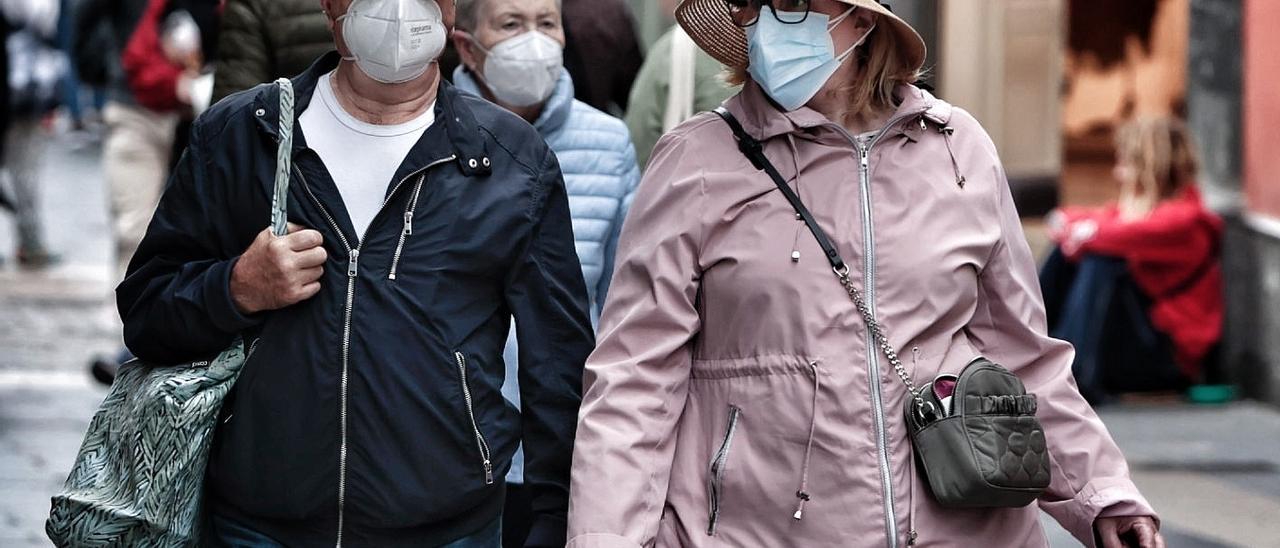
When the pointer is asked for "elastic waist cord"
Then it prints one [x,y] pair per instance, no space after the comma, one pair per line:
[803,492]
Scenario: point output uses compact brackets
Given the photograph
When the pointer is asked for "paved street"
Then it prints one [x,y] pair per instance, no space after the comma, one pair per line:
[1213,472]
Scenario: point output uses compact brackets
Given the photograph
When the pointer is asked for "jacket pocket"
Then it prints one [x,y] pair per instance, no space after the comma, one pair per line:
[715,479]
[481,445]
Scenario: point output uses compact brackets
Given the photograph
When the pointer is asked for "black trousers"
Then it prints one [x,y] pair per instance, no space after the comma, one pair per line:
[1096,306]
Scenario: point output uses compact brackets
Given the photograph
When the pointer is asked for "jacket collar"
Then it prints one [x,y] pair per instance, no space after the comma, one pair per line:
[763,119]
[554,113]
[455,132]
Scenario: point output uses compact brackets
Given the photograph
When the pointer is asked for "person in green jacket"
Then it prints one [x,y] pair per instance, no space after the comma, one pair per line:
[262,40]
[647,110]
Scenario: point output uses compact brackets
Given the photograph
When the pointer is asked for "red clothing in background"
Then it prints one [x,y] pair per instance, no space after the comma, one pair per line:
[1173,256]
[152,77]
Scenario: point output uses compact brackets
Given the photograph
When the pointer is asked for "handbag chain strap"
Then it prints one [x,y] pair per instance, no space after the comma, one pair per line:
[877,331]
[754,151]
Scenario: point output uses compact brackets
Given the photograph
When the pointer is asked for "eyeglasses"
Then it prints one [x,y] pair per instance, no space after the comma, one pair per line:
[745,13]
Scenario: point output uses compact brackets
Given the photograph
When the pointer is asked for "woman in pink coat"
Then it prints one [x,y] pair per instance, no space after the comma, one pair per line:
[733,399]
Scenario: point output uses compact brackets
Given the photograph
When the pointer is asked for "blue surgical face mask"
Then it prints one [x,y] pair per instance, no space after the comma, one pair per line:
[793,61]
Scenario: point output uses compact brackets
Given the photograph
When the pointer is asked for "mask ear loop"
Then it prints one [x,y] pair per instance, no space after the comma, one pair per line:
[477,73]
[339,21]
[839,19]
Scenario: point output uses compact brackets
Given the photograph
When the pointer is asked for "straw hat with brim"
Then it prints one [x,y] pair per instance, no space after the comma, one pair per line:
[709,24]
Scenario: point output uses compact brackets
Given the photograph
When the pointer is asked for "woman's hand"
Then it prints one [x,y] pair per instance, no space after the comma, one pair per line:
[1128,531]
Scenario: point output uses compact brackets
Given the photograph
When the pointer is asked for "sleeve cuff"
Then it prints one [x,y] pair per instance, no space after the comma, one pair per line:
[548,531]
[1105,497]
[222,309]
[601,540]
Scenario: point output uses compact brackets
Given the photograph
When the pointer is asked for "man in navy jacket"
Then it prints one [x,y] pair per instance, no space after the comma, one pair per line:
[369,412]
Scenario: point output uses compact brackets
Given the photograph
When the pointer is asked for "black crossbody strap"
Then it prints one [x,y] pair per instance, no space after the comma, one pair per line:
[754,151]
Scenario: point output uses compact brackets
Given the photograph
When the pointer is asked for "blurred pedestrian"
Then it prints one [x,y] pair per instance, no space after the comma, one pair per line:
[189,40]
[33,69]
[162,67]
[73,87]
[165,59]
[735,397]
[139,140]
[602,52]
[370,411]
[262,40]
[676,81]
[511,53]
[1136,285]
[137,145]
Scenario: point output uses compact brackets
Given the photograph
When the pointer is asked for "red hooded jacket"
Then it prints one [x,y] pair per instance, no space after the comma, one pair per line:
[1173,256]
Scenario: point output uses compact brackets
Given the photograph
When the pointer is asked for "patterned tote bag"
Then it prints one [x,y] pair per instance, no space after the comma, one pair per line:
[138,479]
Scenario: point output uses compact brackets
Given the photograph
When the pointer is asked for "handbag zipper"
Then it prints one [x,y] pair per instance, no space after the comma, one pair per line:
[353,270]
[715,483]
[481,444]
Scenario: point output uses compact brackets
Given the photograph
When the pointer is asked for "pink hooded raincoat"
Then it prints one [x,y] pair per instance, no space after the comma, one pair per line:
[730,377]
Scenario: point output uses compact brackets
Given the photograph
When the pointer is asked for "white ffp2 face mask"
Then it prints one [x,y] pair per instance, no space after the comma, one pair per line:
[393,41]
[522,71]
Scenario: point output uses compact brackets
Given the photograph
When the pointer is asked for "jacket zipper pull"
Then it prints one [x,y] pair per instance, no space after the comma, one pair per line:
[408,223]
[353,265]
[488,472]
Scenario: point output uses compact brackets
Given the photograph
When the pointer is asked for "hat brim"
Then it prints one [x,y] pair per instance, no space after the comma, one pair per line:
[709,24]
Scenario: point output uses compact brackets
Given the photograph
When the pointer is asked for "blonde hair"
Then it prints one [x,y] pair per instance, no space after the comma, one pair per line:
[884,68]
[1162,153]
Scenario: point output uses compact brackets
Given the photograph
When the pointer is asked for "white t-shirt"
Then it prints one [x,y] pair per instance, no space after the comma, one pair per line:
[361,157]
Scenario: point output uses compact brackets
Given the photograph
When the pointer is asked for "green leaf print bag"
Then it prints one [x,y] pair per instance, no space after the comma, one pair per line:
[138,480]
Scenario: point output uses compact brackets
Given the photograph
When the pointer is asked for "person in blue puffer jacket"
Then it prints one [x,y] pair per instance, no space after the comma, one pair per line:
[511,53]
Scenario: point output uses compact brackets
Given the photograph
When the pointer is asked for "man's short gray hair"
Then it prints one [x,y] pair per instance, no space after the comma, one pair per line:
[467,13]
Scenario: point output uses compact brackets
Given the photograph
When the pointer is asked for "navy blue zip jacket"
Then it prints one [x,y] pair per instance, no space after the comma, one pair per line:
[370,414]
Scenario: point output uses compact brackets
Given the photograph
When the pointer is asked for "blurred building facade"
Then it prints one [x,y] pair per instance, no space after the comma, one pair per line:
[1234,102]
[1002,61]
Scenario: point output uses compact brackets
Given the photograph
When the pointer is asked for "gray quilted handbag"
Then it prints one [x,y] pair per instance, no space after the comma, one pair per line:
[983,448]
[139,477]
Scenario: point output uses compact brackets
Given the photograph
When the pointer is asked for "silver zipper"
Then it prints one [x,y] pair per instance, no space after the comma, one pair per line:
[482,445]
[869,289]
[873,360]
[715,481]
[353,270]
[407,230]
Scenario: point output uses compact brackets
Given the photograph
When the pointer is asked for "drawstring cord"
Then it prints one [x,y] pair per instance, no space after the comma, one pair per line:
[946,132]
[803,492]
[795,162]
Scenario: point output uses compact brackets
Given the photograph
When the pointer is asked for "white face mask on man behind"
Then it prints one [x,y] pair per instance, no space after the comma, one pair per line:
[522,71]
[393,41]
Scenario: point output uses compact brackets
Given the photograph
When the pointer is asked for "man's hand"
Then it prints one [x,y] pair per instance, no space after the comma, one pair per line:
[276,272]
[1128,531]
